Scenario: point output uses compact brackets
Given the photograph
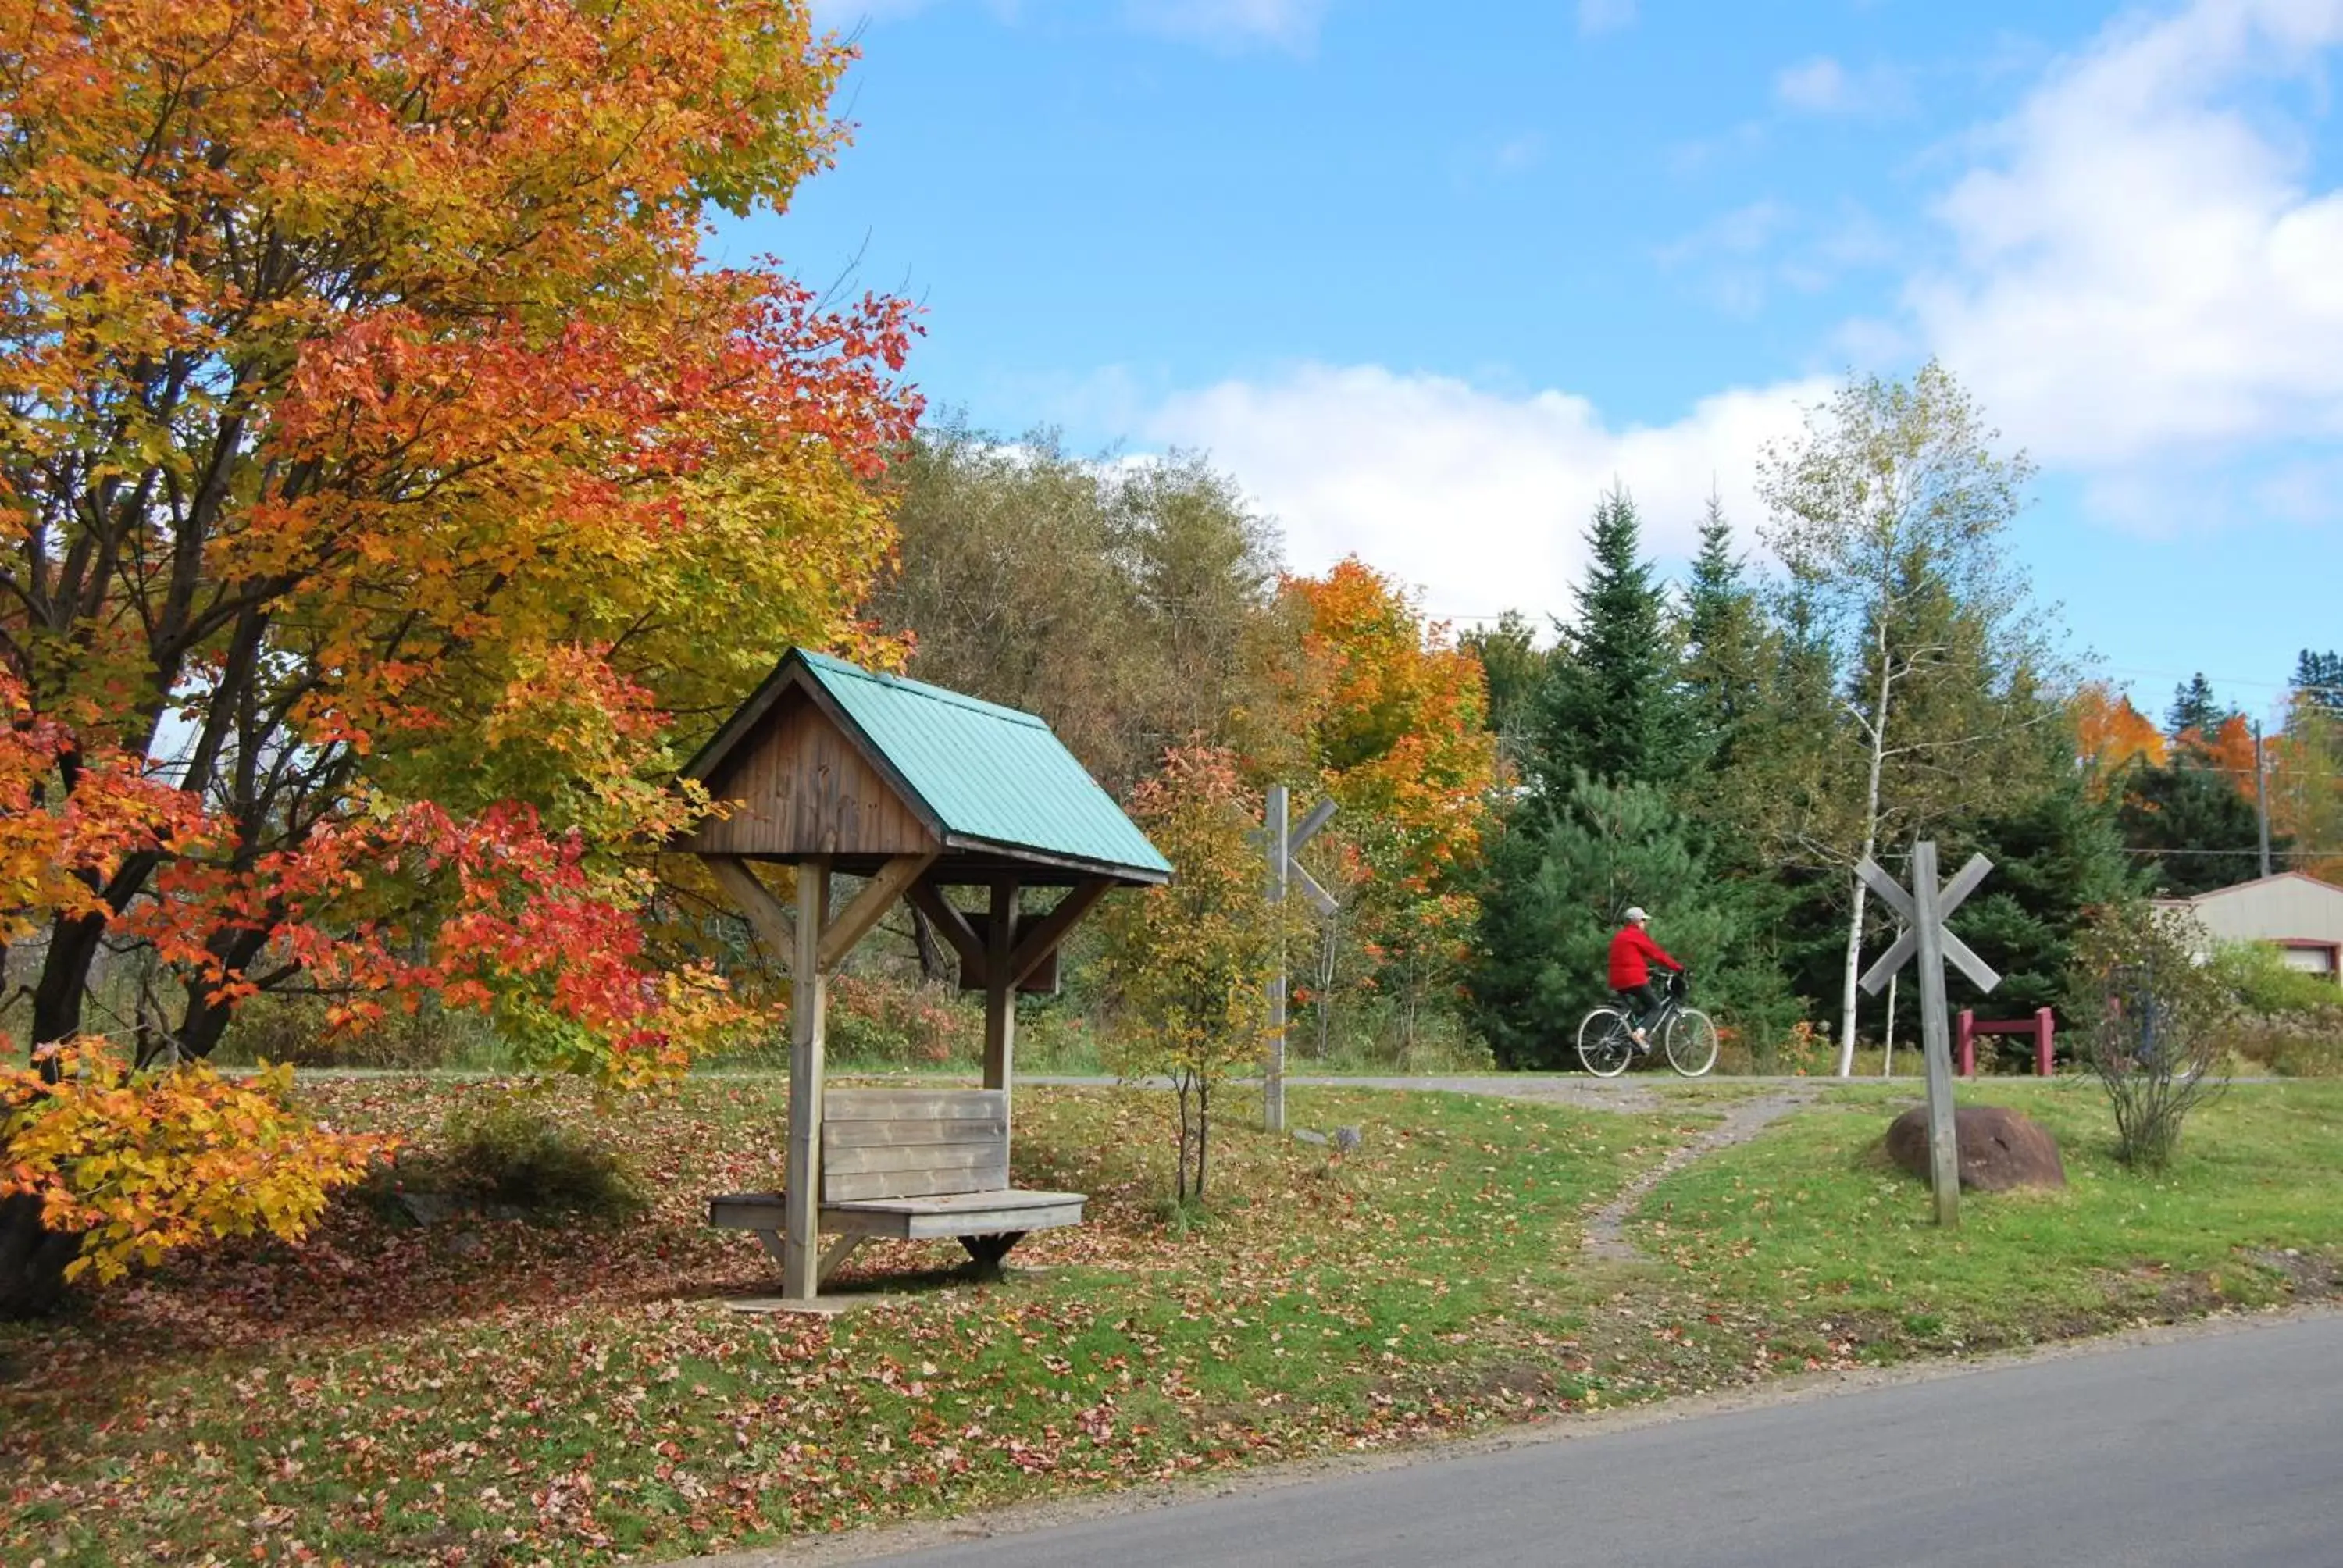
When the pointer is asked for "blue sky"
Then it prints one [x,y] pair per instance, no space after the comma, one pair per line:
[1425,279]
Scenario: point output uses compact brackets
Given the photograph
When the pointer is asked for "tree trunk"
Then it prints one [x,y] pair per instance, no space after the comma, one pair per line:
[1878,726]
[64,979]
[33,1260]
[931,951]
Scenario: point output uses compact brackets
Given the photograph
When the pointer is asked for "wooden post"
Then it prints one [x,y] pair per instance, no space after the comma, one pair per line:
[800,1242]
[1000,986]
[1965,1041]
[2045,1033]
[1943,1149]
[1273,1066]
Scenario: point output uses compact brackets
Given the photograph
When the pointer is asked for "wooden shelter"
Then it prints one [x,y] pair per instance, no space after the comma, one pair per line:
[836,771]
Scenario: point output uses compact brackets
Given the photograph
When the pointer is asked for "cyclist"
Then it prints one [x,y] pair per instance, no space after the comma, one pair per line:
[1633,953]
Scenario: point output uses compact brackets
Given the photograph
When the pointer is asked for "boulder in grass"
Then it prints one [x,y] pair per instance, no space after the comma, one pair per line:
[2000,1148]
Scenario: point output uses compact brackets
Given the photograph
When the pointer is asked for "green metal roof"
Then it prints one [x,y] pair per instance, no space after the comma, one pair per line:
[984,772]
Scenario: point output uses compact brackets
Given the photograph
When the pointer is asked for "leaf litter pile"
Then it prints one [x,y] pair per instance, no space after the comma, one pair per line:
[488,1391]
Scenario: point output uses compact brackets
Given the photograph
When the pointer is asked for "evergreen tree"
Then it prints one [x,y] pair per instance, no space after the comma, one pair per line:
[2055,859]
[1516,669]
[1610,708]
[1561,878]
[2318,677]
[2203,832]
[1725,645]
[2194,706]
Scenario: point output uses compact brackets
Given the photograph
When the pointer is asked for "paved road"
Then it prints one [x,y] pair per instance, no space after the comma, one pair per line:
[2220,1448]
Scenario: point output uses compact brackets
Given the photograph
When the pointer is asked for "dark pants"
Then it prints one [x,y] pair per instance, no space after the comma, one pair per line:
[1640,1003]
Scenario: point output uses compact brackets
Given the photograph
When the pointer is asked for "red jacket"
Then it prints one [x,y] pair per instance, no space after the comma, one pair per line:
[1632,954]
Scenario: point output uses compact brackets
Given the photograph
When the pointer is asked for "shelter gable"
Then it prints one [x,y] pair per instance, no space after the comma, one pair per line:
[798,784]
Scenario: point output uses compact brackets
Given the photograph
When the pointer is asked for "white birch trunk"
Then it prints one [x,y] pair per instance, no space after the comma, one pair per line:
[1878,725]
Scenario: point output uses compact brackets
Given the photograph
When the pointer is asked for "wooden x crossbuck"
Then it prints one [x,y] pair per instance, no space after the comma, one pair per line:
[1922,910]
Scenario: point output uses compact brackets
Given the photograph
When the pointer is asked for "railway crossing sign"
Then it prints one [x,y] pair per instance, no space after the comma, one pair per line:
[1283,840]
[1922,910]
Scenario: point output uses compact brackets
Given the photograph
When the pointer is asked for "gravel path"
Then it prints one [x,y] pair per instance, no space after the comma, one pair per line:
[1607,1229]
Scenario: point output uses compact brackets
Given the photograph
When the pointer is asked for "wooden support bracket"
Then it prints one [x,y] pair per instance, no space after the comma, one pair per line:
[852,923]
[1036,945]
[836,1253]
[950,923]
[767,916]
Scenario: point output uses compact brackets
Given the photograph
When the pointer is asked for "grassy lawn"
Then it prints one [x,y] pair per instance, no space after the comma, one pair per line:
[493,1393]
[1810,1237]
[487,1392]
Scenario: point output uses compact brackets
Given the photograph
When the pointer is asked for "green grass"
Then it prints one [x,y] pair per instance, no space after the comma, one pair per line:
[511,1392]
[1810,1227]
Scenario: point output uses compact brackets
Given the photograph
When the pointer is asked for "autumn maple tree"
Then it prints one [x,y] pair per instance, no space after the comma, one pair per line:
[1186,965]
[383,478]
[1394,718]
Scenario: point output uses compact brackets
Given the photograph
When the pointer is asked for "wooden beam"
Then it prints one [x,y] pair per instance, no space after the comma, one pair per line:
[950,923]
[800,1258]
[839,1252]
[852,923]
[1036,945]
[999,986]
[767,915]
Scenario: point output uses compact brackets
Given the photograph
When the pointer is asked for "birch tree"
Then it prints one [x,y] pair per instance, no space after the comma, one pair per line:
[1889,516]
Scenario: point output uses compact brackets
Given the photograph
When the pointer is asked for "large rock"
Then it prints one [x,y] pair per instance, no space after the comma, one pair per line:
[2000,1148]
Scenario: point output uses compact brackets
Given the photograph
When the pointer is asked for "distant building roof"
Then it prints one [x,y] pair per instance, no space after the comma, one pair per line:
[983,778]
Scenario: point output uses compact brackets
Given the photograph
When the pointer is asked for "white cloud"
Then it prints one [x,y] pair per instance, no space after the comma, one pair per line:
[1823,86]
[2142,274]
[1289,25]
[1605,15]
[1478,498]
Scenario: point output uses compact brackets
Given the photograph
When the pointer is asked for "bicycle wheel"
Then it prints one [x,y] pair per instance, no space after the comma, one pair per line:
[1604,1048]
[1691,1042]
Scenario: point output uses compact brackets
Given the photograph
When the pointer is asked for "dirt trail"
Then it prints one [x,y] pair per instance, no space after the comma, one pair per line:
[1607,1227]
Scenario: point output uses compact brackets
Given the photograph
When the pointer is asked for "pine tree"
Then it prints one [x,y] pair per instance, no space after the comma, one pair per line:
[1561,878]
[2055,858]
[2194,707]
[1610,708]
[2205,833]
[2318,677]
[1516,669]
[1725,648]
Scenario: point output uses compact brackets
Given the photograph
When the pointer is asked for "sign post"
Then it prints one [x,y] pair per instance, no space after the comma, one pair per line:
[1924,910]
[1283,841]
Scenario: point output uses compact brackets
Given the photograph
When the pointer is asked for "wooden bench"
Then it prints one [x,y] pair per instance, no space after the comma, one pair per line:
[910,1164]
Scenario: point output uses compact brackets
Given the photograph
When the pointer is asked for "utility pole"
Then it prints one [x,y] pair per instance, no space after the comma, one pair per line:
[2261,795]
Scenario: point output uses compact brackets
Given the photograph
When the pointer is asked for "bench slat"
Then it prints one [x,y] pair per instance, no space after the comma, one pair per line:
[928,1129]
[913,1157]
[842,1189]
[911,1104]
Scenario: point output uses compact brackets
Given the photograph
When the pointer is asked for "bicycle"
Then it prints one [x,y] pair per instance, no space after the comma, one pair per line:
[1687,1036]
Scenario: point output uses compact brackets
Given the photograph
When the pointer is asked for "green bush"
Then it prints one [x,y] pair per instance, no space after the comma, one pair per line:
[515,1152]
[2259,980]
[293,1029]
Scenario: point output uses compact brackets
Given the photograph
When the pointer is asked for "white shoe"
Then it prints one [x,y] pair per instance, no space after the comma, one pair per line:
[1641,1043]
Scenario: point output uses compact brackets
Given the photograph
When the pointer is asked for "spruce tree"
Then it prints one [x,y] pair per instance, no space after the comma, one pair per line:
[1561,876]
[2203,832]
[1726,649]
[2194,706]
[1610,708]
[2318,679]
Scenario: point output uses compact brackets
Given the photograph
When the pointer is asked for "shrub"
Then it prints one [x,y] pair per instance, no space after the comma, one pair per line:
[2258,980]
[293,1029]
[515,1152]
[877,1021]
[2152,1014]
